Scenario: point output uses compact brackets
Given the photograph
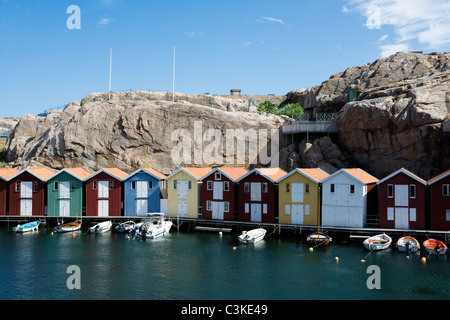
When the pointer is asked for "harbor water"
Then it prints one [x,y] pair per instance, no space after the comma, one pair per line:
[209,266]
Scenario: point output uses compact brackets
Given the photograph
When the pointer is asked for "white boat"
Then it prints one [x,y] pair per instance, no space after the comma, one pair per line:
[156,226]
[101,227]
[68,227]
[318,239]
[378,242]
[27,227]
[252,236]
[125,226]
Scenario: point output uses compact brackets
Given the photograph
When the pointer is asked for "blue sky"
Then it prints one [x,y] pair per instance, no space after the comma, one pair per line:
[261,47]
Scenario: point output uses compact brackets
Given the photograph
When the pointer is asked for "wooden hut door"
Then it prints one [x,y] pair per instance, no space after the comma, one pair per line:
[218,191]
[182,208]
[141,207]
[401,218]
[141,198]
[64,199]
[297,192]
[255,211]
[297,214]
[217,210]
[103,192]
[26,205]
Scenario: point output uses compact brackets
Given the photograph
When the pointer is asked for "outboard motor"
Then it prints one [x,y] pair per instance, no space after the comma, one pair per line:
[143,231]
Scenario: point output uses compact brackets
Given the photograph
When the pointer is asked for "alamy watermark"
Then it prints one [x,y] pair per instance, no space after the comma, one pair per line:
[74,280]
[373,17]
[232,147]
[74,20]
[374,280]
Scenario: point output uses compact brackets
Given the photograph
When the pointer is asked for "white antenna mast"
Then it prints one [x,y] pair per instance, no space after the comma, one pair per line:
[110,67]
[173,83]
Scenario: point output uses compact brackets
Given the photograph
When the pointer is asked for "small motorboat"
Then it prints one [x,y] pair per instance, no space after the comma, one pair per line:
[68,227]
[252,236]
[433,246]
[408,244]
[127,226]
[155,227]
[319,239]
[378,242]
[27,227]
[101,227]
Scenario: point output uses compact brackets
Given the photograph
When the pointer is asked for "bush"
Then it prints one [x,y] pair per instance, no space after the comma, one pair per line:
[290,110]
[267,107]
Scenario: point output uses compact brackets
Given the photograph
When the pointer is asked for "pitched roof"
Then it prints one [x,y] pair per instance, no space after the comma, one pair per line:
[439,177]
[7,173]
[156,173]
[272,174]
[78,172]
[314,174]
[408,173]
[233,173]
[41,173]
[114,172]
[361,175]
[198,172]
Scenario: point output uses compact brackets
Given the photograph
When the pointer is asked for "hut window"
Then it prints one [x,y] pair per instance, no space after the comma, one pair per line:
[288,187]
[226,206]
[307,210]
[111,185]
[307,187]
[94,185]
[35,186]
[133,185]
[247,187]
[190,185]
[352,188]
[446,190]
[412,191]
[175,184]
[55,185]
[412,214]
[447,215]
[390,190]
[287,209]
[332,188]
[208,205]
[150,184]
[226,186]
[264,208]
[265,187]
[218,175]
[72,185]
[17,189]
[390,214]
[209,185]
[247,208]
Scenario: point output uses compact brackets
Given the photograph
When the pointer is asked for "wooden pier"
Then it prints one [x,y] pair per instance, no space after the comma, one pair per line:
[204,225]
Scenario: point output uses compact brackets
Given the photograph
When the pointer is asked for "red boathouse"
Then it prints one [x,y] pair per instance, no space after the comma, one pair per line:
[440,202]
[5,175]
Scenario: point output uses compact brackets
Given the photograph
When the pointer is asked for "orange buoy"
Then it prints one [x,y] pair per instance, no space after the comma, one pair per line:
[73,235]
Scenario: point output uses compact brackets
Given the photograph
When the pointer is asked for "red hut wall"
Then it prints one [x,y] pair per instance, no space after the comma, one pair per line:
[114,195]
[386,202]
[270,199]
[38,195]
[3,197]
[440,204]
[228,196]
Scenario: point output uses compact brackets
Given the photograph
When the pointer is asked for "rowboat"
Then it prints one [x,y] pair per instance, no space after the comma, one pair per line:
[378,242]
[68,227]
[433,246]
[125,226]
[101,227]
[408,244]
[252,236]
[27,227]
[319,239]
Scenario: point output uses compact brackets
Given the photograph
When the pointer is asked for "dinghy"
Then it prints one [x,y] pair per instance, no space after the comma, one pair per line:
[378,242]
[252,236]
[27,227]
[408,244]
[125,226]
[68,227]
[319,239]
[101,227]
[433,246]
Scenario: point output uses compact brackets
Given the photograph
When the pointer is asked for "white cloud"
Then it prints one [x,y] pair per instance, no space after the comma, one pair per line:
[390,49]
[270,19]
[425,21]
[194,34]
[105,21]
[383,38]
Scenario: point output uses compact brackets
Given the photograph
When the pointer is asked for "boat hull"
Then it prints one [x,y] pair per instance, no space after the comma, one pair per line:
[68,227]
[319,239]
[379,242]
[27,227]
[154,233]
[252,236]
[101,227]
[402,244]
[125,227]
[431,246]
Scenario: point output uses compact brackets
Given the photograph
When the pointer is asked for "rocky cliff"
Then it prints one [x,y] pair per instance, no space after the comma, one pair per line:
[130,131]
[399,117]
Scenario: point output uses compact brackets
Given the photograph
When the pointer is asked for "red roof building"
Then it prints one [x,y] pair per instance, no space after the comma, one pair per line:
[5,175]
[440,202]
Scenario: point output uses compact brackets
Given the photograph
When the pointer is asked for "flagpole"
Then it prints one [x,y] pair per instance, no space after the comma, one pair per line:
[110,68]
[173,77]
